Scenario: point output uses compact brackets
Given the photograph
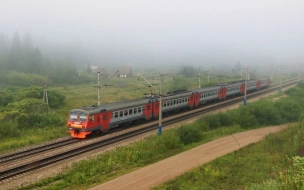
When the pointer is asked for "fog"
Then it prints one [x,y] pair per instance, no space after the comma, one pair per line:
[161,32]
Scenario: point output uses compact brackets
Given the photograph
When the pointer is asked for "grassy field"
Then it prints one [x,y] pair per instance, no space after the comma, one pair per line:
[251,167]
[247,167]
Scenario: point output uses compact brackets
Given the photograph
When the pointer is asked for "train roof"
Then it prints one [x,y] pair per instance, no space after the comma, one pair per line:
[115,105]
[207,89]
[177,95]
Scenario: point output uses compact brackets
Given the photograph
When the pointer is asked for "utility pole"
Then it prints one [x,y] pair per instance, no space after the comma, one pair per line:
[199,77]
[98,90]
[241,76]
[271,77]
[245,89]
[45,96]
[153,86]
[280,89]
[160,105]
[99,86]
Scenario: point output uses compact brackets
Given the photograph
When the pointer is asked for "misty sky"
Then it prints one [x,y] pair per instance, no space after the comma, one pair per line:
[199,32]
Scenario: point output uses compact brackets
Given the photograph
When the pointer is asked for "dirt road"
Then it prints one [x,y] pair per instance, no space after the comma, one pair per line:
[160,172]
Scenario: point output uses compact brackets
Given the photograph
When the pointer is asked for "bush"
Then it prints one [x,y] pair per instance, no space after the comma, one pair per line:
[188,134]
[213,121]
[289,109]
[5,97]
[265,113]
[9,129]
[170,140]
[55,99]
[225,119]
[246,119]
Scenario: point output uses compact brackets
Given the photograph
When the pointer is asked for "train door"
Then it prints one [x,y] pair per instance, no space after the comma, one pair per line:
[258,85]
[242,88]
[224,93]
[191,100]
[155,109]
[148,110]
[197,99]
[104,120]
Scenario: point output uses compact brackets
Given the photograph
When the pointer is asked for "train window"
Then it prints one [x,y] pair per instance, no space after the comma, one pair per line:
[170,102]
[82,117]
[143,108]
[104,117]
[115,114]
[130,111]
[165,104]
[179,100]
[135,110]
[73,116]
[139,109]
[121,114]
[91,118]
[126,112]
[174,102]
[188,98]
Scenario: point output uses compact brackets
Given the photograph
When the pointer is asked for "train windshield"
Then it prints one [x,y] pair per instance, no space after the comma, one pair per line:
[73,116]
[82,117]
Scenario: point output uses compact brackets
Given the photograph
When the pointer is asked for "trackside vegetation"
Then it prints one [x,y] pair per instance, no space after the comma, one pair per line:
[270,162]
[26,119]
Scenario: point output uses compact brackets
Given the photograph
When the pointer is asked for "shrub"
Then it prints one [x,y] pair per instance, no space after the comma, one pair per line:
[55,99]
[225,119]
[188,134]
[9,129]
[170,140]
[5,97]
[213,121]
[289,109]
[265,113]
[246,119]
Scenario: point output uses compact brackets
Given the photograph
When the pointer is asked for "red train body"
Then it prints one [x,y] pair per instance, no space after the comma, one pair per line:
[84,121]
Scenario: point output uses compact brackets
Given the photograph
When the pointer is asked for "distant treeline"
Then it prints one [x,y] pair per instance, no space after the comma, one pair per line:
[22,64]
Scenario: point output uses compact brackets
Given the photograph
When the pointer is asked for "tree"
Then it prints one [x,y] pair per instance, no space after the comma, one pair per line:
[187,71]
[3,53]
[15,57]
[238,67]
[27,53]
[36,62]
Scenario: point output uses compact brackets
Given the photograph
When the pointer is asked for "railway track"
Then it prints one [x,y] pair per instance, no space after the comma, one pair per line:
[4,159]
[24,168]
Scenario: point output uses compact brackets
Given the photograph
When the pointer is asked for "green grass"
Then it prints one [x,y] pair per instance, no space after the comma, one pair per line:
[88,173]
[246,167]
[33,136]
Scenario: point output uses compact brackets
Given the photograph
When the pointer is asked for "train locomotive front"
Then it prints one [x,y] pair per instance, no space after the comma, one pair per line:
[82,122]
[78,123]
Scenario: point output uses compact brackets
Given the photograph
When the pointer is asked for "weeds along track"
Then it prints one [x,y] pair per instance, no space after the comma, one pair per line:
[11,157]
[100,143]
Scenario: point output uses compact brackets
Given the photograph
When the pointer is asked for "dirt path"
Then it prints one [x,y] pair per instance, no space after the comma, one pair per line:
[160,172]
